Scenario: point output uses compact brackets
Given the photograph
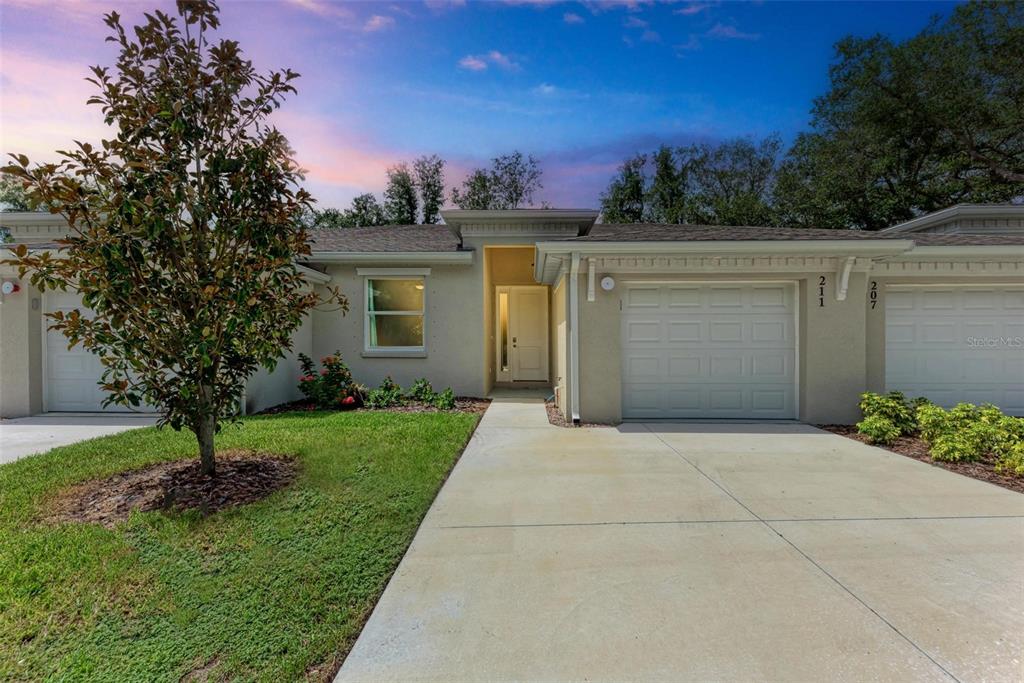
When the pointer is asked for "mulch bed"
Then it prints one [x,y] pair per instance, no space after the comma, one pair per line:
[556,418]
[463,404]
[242,477]
[914,447]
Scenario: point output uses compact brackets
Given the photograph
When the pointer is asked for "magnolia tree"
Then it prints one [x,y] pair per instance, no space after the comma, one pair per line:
[184,226]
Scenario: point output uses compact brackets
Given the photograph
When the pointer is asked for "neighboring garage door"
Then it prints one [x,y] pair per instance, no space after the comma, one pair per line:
[956,343]
[709,351]
[71,375]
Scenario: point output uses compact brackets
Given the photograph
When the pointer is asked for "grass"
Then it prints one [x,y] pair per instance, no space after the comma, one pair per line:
[276,590]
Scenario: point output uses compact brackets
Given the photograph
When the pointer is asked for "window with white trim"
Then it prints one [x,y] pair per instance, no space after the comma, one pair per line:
[395,313]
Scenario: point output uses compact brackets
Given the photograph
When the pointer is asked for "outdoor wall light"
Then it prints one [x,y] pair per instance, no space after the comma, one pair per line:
[9,287]
[607,283]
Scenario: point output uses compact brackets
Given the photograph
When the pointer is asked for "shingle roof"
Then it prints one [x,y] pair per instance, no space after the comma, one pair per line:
[384,238]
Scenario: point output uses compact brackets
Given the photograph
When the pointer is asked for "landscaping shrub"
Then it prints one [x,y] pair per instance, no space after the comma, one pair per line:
[445,400]
[332,386]
[421,391]
[879,429]
[387,395]
[892,407]
[968,432]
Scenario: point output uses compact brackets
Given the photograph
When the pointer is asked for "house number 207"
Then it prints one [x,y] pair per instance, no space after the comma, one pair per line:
[821,292]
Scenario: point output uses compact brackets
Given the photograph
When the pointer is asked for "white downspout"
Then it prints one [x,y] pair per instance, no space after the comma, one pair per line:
[574,338]
[591,276]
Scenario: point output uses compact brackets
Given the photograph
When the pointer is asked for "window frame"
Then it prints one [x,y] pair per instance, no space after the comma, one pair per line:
[404,274]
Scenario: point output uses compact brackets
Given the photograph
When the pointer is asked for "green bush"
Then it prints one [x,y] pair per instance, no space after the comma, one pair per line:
[878,429]
[892,407]
[387,395]
[331,386]
[422,392]
[1012,460]
[445,400]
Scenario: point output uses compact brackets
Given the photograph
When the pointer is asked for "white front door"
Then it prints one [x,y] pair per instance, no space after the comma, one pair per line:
[528,329]
[955,343]
[703,350]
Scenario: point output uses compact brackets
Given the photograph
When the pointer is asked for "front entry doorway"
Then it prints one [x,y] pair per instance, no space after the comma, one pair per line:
[522,333]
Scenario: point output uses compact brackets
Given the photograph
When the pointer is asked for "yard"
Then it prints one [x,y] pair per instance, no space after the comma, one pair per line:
[276,590]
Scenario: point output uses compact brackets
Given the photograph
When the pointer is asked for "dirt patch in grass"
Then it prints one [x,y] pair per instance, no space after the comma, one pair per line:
[914,447]
[242,477]
[463,404]
[556,418]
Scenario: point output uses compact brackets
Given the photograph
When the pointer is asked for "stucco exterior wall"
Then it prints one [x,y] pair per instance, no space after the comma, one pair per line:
[831,348]
[454,321]
[267,388]
[21,376]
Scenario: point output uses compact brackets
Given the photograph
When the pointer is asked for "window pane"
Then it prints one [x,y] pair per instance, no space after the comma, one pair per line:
[503,324]
[396,295]
[396,330]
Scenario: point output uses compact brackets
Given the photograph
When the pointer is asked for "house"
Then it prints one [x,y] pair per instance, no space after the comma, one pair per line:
[624,321]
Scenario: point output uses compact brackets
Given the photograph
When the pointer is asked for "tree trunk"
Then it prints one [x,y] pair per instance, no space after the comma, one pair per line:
[204,433]
[205,427]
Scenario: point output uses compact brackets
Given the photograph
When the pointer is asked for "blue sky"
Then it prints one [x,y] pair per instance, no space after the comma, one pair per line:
[579,85]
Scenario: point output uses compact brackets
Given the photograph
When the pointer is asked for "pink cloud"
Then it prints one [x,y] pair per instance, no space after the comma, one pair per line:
[324,8]
[730,32]
[378,22]
[692,8]
[572,18]
[482,62]
[472,63]
[635,22]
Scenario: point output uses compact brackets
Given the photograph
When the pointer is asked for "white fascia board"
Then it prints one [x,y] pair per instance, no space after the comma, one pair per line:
[313,275]
[1000,252]
[393,271]
[957,211]
[389,257]
[888,247]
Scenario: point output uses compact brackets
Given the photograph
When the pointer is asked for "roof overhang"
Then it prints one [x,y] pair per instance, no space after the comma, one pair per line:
[519,222]
[550,255]
[461,257]
[959,211]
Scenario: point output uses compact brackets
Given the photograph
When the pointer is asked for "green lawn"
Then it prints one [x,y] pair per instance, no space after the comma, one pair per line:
[269,591]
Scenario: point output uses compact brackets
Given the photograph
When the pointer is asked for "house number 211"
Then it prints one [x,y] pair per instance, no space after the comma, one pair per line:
[821,292]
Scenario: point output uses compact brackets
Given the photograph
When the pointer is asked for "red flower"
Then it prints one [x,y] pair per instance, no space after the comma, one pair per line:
[323,372]
[348,400]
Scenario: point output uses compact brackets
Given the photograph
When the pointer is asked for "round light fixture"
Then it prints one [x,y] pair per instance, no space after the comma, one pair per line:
[607,283]
[9,287]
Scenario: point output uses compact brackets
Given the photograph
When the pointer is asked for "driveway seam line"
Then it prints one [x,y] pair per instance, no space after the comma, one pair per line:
[804,555]
[756,520]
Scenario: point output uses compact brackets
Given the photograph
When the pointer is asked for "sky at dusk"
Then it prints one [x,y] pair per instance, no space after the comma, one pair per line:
[579,85]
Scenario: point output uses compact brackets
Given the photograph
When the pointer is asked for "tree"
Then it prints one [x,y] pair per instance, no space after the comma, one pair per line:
[514,179]
[476,192]
[733,181]
[12,195]
[667,198]
[429,172]
[912,127]
[184,227]
[625,199]
[728,183]
[365,211]
[401,204]
[510,183]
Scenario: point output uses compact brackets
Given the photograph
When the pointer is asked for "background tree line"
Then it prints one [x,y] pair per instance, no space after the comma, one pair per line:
[415,193]
[904,129]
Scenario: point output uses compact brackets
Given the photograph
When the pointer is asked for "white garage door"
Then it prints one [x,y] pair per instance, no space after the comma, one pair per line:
[71,375]
[709,351]
[956,343]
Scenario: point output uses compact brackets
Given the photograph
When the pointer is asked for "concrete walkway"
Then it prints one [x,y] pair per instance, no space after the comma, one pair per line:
[674,552]
[28,435]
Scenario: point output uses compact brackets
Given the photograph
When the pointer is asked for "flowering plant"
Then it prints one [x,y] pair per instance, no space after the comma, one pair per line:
[332,387]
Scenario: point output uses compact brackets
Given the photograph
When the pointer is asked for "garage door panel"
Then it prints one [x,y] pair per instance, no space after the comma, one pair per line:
[726,350]
[956,343]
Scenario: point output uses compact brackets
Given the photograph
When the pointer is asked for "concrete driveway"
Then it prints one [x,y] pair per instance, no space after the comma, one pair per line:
[27,435]
[700,552]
